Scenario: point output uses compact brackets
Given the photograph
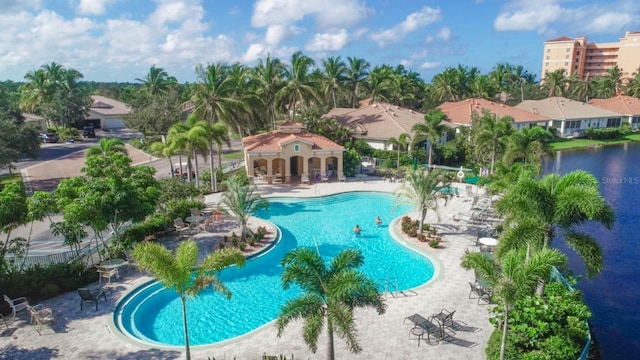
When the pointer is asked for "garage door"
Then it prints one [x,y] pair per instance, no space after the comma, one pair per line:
[113,124]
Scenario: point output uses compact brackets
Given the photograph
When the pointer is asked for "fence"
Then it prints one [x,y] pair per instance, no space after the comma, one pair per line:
[555,275]
[85,254]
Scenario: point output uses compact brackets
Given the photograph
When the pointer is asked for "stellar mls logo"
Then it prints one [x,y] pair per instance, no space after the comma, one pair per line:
[621,180]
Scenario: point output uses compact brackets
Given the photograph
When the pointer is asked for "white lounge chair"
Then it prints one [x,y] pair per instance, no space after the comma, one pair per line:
[341,177]
[17,305]
[304,179]
[40,315]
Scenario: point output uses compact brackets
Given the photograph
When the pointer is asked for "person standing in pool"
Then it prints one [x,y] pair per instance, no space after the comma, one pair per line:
[357,230]
[378,221]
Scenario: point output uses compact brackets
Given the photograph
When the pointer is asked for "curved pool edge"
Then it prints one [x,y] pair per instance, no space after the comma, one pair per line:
[148,281]
[393,232]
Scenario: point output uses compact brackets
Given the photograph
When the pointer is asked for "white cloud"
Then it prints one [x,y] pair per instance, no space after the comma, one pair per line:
[254,52]
[584,18]
[13,6]
[278,33]
[176,12]
[430,65]
[413,22]
[326,13]
[328,41]
[444,34]
[93,7]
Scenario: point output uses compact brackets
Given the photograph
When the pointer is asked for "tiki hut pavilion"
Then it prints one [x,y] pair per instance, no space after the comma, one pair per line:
[290,154]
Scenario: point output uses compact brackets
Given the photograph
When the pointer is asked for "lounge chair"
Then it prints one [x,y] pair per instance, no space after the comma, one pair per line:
[481,293]
[445,318]
[431,329]
[341,177]
[324,178]
[415,319]
[196,212]
[87,295]
[304,179]
[40,316]
[17,305]
[180,225]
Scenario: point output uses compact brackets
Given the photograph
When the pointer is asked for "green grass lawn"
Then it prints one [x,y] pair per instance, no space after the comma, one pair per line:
[564,144]
[6,179]
[236,155]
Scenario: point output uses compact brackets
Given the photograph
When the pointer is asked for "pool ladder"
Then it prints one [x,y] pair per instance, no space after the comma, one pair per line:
[391,283]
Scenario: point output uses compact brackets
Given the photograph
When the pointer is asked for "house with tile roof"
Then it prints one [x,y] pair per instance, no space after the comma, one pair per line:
[292,154]
[461,112]
[627,106]
[572,117]
[107,113]
[377,122]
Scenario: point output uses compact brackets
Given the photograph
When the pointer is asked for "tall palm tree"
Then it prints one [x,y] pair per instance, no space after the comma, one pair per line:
[421,191]
[399,144]
[218,134]
[330,294]
[190,137]
[357,73]
[157,81]
[514,278]
[446,85]
[482,87]
[431,131]
[492,133]
[105,147]
[159,148]
[334,76]
[241,200]
[633,85]
[35,91]
[379,82]
[268,76]
[298,83]
[182,273]
[559,202]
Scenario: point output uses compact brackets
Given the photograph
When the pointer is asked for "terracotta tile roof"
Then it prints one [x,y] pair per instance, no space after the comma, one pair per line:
[561,38]
[622,104]
[560,108]
[378,120]
[459,112]
[105,106]
[273,141]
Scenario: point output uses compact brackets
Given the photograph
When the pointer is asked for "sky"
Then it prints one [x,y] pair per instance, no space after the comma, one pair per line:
[119,40]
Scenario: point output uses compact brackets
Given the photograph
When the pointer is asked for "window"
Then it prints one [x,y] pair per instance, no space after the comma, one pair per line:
[572,124]
[547,58]
[566,64]
[548,50]
[566,57]
[614,122]
[546,64]
[568,49]
[296,148]
[635,120]
[578,52]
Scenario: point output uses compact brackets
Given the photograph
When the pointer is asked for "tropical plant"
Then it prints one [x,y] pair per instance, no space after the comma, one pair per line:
[357,73]
[513,278]
[431,131]
[400,143]
[529,145]
[330,295]
[333,78]
[555,82]
[558,202]
[190,137]
[157,82]
[180,272]
[105,147]
[241,200]
[268,78]
[299,86]
[491,134]
[421,191]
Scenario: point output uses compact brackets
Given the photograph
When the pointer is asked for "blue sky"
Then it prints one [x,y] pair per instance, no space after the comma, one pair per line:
[119,40]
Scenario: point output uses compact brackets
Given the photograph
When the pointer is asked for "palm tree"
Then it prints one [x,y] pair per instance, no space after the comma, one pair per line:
[330,294]
[159,148]
[241,200]
[379,83]
[560,202]
[492,134]
[105,147]
[529,145]
[482,87]
[399,143]
[298,84]
[431,131]
[190,137]
[555,82]
[268,77]
[633,85]
[333,78]
[182,274]
[514,278]
[35,91]
[446,86]
[357,72]
[422,192]
[218,134]
[157,81]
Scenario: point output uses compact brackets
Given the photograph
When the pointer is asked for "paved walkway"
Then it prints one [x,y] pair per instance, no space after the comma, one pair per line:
[89,334]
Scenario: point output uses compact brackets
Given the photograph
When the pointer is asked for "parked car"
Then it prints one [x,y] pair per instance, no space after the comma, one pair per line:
[89,132]
[48,138]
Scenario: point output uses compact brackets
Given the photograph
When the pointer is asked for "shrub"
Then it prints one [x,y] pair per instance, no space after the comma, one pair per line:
[606,133]
[435,242]
[410,227]
[182,208]
[234,239]
[155,225]
[242,245]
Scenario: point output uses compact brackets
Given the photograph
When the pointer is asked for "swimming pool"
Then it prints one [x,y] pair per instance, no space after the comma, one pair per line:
[153,315]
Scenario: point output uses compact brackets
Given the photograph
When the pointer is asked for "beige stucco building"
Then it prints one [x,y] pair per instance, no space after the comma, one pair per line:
[292,154]
[577,55]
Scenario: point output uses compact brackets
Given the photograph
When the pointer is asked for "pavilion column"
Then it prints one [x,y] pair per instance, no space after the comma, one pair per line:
[269,171]
[287,170]
[323,166]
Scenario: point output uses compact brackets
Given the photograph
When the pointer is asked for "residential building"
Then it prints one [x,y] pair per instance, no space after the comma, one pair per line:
[461,112]
[577,55]
[628,106]
[571,117]
[377,122]
[291,153]
[107,113]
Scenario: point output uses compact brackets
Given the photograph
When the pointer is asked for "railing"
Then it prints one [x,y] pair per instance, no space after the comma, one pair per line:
[555,275]
[85,254]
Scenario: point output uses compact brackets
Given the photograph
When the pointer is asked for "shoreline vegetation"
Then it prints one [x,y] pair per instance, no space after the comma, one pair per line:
[584,143]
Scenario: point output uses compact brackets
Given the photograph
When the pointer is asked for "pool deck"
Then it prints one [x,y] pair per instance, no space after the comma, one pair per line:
[88,334]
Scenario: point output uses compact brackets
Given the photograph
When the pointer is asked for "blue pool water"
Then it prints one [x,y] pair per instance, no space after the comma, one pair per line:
[154,315]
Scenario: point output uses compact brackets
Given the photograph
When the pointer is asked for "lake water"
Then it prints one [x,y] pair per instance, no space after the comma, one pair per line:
[614,295]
